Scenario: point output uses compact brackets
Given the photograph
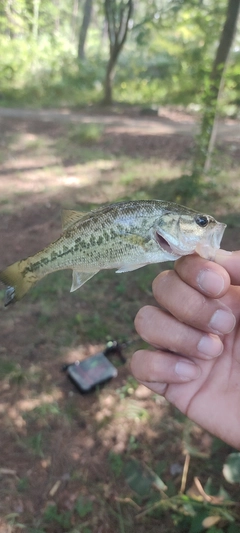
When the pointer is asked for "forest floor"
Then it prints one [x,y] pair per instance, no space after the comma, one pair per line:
[94,463]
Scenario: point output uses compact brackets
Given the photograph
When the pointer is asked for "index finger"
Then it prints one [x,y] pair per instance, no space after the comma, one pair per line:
[231,262]
[206,276]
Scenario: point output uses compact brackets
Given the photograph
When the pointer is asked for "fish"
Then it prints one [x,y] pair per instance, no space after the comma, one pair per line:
[123,236]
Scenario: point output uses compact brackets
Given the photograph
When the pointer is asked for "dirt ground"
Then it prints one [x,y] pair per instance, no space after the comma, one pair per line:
[56,444]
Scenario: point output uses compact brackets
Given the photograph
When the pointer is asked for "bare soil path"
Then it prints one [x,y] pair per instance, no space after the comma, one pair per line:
[168,122]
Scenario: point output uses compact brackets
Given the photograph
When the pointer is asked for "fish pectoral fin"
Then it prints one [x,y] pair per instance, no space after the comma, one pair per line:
[70,217]
[129,268]
[79,278]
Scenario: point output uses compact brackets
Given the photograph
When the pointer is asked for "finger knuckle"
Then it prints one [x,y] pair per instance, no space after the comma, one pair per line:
[152,368]
[193,308]
[143,315]
[161,281]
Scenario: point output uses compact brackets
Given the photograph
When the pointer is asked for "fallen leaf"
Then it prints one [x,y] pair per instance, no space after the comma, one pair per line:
[210,521]
[55,488]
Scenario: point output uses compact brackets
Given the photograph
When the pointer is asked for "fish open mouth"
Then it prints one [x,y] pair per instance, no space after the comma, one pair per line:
[163,243]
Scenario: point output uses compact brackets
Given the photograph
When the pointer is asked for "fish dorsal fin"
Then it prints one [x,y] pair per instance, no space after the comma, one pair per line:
[70,217]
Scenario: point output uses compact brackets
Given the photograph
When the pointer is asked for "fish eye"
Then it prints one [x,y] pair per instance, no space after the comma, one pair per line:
[202,220]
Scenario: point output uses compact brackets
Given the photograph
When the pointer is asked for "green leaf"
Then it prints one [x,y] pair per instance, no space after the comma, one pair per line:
[215,529]
[223,493]
[83,507]
[197,522]
[116,463]
[231,469]
[141,479]
[233,528]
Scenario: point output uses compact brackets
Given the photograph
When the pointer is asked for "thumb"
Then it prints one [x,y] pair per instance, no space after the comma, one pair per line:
[231,262]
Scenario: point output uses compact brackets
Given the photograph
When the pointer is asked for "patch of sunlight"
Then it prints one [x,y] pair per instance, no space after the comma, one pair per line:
[77,452]
[106,164]
[73,180]
[14,411]
[47,175]
[26,141]
[81,352]
[118,419]
[31,403]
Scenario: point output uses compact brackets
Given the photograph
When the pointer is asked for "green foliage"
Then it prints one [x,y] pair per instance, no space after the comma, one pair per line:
[23,484]
[128,388]
[46,73]
[6,368]
[53,516]
[167,57]
[35,443]
[13,372]
[83,507]
[233,528]
[231,469]
[85,133]
[45,410]
[141,478]
[116,463]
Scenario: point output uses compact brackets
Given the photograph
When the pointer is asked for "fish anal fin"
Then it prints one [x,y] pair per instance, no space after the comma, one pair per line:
[79,278]
[129,268]
[70,217]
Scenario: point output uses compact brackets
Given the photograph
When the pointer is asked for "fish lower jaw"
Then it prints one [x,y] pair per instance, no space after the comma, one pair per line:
[207,251]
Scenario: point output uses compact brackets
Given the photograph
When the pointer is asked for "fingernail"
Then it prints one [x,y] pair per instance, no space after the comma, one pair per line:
[210,282]
[222,321]
[187,371]
[159,388]
[210,345]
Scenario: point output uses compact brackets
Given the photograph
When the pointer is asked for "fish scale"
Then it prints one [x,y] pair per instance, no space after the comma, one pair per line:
[124,236]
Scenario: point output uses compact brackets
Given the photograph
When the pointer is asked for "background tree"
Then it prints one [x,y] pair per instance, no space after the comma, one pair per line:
[84,28]
[118,14]
[208,130]
[165,59]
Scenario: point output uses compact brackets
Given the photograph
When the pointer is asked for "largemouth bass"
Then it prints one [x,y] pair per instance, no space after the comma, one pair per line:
[124,236]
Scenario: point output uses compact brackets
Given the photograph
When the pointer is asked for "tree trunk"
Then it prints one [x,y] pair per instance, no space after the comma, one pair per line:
[107,100]
[117,19]
[206,139]
[36,6]
[74,20]
[57,18]
[84,28]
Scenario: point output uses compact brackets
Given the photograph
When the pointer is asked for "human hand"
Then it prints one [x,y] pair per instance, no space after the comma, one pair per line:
[196,333]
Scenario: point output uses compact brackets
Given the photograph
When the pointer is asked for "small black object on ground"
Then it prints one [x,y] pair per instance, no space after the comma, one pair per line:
[96,369]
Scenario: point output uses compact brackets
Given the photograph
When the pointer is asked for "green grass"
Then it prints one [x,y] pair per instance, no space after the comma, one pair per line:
[85,133]
[23,484]
[13,372]
[53,516]
[35,444]
[116,463]
[44,411]
[77,142]
[7,368]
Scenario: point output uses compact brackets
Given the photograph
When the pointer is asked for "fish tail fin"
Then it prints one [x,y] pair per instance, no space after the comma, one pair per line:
[18,280]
